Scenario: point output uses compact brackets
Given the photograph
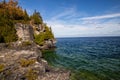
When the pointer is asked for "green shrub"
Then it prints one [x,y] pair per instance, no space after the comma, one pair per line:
[8,17]
[31,75]
[26,43]
[40,38]
[26,63]
[2,66]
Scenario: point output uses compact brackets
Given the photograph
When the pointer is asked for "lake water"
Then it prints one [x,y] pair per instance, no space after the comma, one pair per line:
[89,58]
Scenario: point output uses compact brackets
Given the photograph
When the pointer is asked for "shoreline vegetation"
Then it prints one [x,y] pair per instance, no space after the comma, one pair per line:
[27,49]
[22,38]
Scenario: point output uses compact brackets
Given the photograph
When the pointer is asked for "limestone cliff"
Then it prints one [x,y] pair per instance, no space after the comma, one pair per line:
[23,60]
[21,39]
[25,32]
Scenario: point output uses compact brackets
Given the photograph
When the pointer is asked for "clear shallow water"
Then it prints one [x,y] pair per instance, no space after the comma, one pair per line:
[89,58]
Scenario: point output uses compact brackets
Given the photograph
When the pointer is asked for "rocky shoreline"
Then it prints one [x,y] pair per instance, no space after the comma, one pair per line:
[27,63]
[22,37]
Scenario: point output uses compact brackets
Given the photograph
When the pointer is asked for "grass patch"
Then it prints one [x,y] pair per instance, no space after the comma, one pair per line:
[2,66]
[31,75]
[26,43]
[26,63]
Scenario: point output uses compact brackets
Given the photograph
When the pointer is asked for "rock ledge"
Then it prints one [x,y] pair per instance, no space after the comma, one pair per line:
[26,63]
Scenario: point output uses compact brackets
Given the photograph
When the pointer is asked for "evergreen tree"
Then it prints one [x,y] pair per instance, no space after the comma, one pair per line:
[8,14]
[36,17]
[11,13]
[26,16]
[4,1]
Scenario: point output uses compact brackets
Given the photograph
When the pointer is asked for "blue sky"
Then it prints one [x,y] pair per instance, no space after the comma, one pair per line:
[78,18]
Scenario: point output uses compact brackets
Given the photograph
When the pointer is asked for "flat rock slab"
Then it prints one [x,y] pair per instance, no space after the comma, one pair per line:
[25,64]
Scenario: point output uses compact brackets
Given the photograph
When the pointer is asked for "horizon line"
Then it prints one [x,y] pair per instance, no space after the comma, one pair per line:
[86,36]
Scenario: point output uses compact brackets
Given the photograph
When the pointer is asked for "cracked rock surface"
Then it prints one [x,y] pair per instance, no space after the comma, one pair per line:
[26,63]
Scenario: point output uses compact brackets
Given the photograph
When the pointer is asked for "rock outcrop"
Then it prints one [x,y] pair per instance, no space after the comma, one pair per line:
[38,28]
[21,39]
[22,60]
[25,32]
[26,63]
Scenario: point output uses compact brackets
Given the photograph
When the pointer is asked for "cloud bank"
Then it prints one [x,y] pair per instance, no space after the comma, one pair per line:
[70,23]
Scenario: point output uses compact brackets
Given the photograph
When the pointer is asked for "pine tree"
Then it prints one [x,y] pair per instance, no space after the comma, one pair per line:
[4,1]
[36,17]
[26,16]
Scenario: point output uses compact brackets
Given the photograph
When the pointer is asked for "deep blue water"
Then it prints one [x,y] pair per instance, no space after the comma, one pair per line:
[89,58]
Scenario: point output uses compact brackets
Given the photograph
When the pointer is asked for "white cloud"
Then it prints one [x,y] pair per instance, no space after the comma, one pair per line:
[62,14]
[66,30]
[102,17]
[88,26]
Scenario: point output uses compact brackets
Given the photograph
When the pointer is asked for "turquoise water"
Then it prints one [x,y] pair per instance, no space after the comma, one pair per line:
[89,58]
